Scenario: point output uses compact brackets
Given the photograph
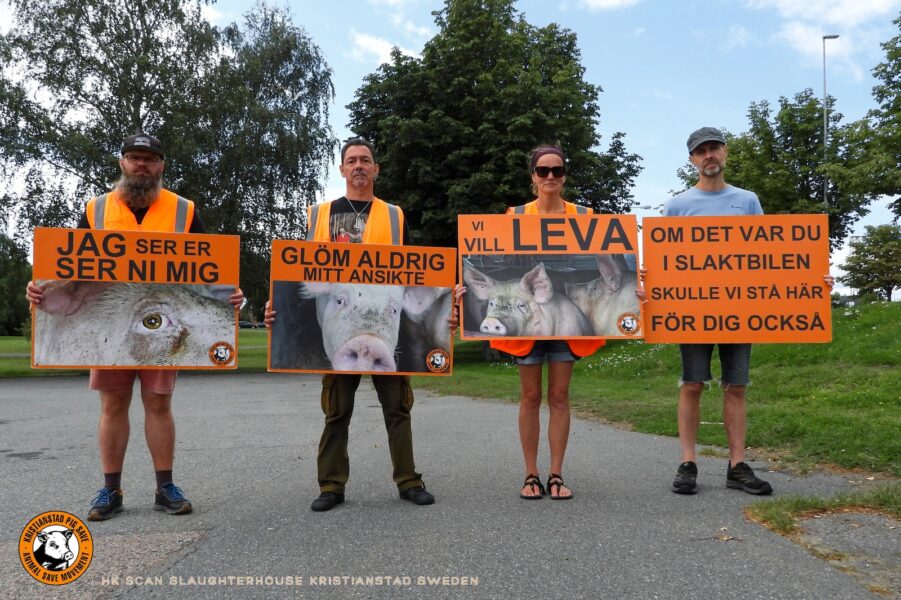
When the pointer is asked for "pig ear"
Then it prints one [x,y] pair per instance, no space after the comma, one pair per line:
[611,274]
[67,533]
[311,289]
[42,537]
[537,283]
[480,284]
[66,297]
[418,299]
[219,293]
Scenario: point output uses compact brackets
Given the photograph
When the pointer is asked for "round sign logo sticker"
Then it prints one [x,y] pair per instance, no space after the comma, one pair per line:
[628,323]
[56,548]
[221,353]
[437,361]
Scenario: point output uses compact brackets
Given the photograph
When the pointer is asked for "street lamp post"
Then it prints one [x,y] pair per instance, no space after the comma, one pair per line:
[825,119]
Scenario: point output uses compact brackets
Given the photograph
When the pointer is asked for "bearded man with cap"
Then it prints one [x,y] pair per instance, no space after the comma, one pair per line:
[137,202]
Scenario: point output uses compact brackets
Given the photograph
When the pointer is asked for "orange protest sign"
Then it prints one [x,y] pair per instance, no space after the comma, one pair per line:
[134,300]
[549,276]
[743,279]
[135,256]
[361,308]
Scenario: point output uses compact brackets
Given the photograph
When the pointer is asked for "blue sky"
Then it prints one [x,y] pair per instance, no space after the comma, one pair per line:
[666,66]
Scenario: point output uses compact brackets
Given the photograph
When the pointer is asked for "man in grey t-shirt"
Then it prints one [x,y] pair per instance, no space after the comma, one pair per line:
[712,196]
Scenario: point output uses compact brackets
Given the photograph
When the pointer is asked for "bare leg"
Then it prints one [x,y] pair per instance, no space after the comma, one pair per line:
[114,429]
[734,421]
[689,418]
[559,376]
[159,429]
[529,424]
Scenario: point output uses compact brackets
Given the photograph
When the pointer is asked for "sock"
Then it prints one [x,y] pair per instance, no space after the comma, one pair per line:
[162,478]
[112,480]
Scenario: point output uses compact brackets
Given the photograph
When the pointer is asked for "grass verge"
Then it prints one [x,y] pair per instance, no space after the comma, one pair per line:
[782,515]
[808,404]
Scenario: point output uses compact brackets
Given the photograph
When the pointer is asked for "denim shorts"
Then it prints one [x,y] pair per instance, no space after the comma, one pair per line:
[546,351]
[735,363]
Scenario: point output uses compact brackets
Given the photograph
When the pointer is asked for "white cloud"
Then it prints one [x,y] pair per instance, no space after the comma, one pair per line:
[859,23]
[212,14]
[410,28]
[607,4]
[845,13]
[807,40]
[366,46]
[392,2]
[639,31]
[738,37]
[6,16]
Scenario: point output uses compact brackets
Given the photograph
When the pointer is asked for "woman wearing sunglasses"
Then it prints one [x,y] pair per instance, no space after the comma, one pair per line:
[548,169]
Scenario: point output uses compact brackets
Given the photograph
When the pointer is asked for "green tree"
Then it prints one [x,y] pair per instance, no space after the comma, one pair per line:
[454,127]
[780,158]
[15,272]
[242,112]
[874,265]
[886,128]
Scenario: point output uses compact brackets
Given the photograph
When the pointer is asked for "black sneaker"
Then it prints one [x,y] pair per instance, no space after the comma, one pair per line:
[171,499]
[105,504]
[327,501]
[741,477]
[686,478]
[418,495]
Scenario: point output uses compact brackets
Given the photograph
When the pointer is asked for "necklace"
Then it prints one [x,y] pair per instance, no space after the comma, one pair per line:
[359,225]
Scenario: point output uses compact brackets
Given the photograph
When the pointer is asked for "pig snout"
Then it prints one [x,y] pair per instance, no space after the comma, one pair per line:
[493,326]
[364,353]
[68,556]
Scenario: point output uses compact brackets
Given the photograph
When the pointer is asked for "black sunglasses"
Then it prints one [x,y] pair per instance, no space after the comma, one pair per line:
[543,172]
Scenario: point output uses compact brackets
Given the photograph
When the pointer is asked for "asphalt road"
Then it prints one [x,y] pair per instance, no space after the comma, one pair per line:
[246,458]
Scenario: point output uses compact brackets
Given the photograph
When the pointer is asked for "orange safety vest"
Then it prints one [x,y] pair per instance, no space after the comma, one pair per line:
[523,347]
[169,212]
[385,224]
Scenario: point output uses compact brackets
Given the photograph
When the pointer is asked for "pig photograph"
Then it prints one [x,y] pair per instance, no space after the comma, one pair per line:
[546,296]
[360,328]
[113,324]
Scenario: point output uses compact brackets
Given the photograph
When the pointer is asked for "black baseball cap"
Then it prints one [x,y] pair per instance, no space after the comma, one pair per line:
[142,141]
[705,134]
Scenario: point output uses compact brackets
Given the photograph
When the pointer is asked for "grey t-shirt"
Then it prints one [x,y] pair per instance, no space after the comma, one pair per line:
[728,202]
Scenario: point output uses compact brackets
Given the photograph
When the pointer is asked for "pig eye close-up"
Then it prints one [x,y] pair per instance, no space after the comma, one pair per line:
[154,321]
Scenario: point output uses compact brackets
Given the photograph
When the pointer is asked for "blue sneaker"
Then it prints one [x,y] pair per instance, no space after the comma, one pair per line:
[171,499]
[105,504]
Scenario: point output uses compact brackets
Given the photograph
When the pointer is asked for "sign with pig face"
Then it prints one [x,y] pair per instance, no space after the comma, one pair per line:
[549,277]
[345,308]
[134,300]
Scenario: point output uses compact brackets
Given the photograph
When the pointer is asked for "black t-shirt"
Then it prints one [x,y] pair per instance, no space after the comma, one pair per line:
[347,220]
[196,223]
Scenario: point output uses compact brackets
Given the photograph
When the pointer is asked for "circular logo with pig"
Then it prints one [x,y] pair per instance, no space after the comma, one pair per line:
[628,323]
[221,353]
[437,361]
[56,548]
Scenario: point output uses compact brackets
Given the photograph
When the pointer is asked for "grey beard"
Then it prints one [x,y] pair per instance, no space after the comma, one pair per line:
[711,170]
[139,191]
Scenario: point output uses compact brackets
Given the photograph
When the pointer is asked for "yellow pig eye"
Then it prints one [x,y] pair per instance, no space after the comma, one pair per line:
[152,321]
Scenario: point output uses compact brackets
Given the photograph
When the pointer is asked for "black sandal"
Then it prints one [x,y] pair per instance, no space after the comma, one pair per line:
[555,481]
[532,481]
